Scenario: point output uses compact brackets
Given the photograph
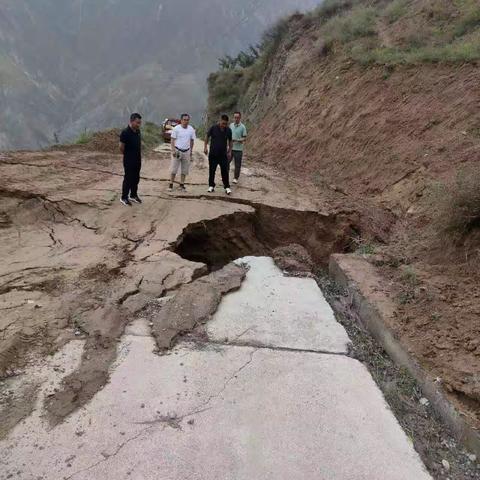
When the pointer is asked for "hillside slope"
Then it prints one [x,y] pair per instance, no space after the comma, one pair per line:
[379,101]
[70,66]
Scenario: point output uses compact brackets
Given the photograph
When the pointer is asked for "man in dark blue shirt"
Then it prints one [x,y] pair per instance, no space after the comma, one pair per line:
[131,147]
[220,138]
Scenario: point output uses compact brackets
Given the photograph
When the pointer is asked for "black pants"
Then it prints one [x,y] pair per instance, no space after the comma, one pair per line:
[214,161]
[132,177]
[237,156]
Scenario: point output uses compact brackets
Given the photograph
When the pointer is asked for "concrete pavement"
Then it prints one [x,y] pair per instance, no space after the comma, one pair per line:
[270,395]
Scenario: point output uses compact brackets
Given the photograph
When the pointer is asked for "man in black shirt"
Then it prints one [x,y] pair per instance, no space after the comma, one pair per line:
[131,147]
[220,138]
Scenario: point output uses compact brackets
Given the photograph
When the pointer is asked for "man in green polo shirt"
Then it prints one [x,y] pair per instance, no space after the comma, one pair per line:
[239,136]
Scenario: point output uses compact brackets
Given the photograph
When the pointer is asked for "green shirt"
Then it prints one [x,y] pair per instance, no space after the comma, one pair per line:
[239,132]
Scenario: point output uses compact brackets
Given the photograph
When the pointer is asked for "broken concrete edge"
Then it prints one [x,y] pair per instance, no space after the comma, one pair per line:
[193,305]
[372,319]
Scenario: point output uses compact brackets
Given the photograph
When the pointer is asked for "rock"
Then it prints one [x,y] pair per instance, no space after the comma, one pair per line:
[472,457]
[446,465]
[293,259]
[424,401]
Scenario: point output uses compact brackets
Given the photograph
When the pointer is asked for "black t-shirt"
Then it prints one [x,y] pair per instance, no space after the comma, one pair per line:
[133,144]
[219,140]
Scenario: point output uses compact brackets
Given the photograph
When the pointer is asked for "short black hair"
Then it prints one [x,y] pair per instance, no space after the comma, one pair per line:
[237,112]
[135,116]
[224,117]
[183,115]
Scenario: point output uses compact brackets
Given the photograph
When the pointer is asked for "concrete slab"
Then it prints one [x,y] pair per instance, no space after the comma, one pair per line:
[230,413]
[273,310]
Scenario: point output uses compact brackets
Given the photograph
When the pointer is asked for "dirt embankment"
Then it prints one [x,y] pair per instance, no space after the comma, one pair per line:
[388,133]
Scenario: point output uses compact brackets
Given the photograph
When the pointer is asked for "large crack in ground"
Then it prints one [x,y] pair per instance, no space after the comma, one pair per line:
[219,241]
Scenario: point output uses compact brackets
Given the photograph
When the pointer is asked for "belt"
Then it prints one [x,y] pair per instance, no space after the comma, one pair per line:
[183,151]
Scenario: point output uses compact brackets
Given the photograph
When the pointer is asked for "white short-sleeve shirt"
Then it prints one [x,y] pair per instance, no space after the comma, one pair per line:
[183,137]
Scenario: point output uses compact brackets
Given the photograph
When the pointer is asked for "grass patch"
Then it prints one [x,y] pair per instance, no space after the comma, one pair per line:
[395,10]
[469,19]
[359,23]
[363,246]
[83,138]
[454,53]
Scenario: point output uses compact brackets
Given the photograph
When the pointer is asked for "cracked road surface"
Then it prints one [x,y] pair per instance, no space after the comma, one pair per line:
[243,397]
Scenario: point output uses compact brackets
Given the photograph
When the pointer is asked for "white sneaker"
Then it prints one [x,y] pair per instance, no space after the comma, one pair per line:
[235,181]
[228,191]
[210,190]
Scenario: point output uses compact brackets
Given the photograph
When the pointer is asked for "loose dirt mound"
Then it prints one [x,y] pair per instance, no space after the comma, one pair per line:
[106,141]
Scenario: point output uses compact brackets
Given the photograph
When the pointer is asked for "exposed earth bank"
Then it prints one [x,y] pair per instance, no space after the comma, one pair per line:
[347,100]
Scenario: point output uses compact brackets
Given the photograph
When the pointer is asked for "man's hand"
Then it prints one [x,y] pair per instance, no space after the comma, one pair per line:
[205,150]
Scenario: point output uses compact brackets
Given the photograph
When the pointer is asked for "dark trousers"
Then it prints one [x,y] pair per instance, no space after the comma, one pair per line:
[214,161]
[237,156]
[132,178]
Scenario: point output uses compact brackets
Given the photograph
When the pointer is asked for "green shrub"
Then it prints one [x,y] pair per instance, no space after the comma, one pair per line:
[273,37]
[360,22]
[458,204]
[395,10]
[151,135]
[329,8]
[225,89]
[83,138]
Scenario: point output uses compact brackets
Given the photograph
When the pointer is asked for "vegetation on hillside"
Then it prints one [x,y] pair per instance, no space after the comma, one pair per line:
[458,204]
[384,32]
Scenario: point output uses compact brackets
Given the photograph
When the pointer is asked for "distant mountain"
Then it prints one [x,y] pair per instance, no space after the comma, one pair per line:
[71,65]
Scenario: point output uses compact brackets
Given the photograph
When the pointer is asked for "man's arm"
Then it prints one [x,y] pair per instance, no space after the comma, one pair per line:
[244,135]
[207,139]
[173,141]
[192,142]
[123,140]
[230,144]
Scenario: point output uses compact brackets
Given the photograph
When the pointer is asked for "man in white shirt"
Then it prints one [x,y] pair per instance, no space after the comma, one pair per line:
[183,139]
